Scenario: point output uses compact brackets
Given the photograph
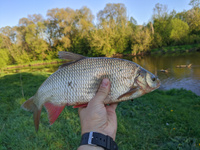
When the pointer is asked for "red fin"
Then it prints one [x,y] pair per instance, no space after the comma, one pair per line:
[30,106]
[53,111]
[81,105]
[129,93]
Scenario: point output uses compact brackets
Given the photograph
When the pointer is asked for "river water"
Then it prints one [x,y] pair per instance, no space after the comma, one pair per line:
[187,78]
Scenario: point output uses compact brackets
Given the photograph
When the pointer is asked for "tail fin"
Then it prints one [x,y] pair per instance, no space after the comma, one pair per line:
[30,106]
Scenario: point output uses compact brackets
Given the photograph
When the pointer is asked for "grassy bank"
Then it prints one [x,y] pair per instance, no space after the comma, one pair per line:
[33,64]
[159,120]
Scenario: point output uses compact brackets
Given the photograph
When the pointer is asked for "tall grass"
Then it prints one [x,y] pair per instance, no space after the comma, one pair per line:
[159,120]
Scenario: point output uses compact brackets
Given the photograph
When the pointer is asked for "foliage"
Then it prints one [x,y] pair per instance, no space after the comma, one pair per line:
[158,120]
[179,30]
[66,29]
[112,33]
[4,58]
[141,40]
[176,49]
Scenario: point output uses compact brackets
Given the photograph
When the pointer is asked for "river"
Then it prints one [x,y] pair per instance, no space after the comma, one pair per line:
[187,77]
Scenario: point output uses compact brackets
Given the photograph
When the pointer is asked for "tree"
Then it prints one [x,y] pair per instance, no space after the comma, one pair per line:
[111,34]
[193,20]
[31,38]
[53,30]
[179,30]
[9,32]
[4,52]
[161,21]
[195,3]
[160,12]
[141,40]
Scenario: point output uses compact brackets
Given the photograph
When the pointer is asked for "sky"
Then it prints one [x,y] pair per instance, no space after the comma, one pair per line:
[141,10]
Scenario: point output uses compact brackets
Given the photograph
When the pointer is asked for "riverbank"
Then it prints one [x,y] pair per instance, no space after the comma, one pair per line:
[176,49]
[168,50]
[159,120]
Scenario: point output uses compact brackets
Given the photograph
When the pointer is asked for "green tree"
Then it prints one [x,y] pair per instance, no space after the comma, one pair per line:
[193,20]
[141,40]
[179,30]
[9,32]
[70,29]
[161,21]
[4,50]
[111,34]
[80,41]
[195,3]
[30,40]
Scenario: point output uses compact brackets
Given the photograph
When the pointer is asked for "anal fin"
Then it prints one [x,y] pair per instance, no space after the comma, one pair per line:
[53,111]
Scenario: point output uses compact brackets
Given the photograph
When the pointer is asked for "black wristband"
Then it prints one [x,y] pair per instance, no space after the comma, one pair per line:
[98,139]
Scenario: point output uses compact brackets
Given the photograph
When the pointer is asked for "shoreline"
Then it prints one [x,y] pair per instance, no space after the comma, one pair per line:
[165,50]
[170,50]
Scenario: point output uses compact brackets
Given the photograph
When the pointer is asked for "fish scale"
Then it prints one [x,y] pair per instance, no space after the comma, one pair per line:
[77,82]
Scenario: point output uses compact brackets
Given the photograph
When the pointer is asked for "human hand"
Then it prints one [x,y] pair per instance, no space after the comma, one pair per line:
[97,116]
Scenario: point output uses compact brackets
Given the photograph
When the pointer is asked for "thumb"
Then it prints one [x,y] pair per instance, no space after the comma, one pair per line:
[102,92]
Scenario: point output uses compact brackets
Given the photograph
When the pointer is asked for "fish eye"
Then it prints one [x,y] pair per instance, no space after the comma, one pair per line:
[153,79]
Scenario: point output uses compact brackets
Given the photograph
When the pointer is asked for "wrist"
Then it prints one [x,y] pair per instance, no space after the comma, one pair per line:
[111,133]
[99,140]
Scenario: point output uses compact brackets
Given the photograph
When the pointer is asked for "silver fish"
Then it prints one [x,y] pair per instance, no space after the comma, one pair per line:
[75,83]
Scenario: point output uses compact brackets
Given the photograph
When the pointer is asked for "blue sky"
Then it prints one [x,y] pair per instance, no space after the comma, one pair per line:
[12,10]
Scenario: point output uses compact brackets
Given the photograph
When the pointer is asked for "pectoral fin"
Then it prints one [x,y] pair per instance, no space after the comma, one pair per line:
[129,93]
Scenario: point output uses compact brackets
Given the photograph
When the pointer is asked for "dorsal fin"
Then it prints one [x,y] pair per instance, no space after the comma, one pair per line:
[70,56]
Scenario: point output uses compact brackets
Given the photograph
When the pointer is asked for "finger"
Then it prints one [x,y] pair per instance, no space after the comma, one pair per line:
[102,92]
[80,109]
[113,106]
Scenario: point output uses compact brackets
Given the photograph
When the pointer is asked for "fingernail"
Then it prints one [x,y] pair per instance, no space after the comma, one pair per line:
[105,83]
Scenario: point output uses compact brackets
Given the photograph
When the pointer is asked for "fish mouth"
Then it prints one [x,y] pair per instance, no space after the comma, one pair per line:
[159,83]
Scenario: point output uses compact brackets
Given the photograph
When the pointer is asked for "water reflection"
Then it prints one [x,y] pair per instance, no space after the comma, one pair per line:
[187,78]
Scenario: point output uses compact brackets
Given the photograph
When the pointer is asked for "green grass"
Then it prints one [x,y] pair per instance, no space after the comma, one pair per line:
[163,120]
[31,65]
[37,62]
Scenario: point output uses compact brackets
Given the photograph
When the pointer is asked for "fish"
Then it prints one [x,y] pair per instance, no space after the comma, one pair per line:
[75,83]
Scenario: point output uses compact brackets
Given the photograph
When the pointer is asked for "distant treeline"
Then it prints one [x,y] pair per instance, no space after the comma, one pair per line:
[65,29]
